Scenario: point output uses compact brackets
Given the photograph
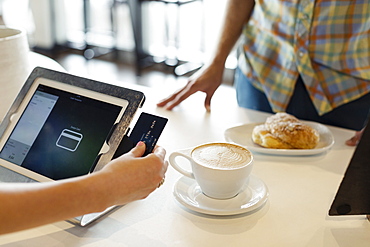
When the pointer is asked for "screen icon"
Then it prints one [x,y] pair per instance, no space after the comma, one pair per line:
[69,140]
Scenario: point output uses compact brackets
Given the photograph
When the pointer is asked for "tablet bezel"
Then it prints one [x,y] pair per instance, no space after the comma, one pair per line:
[129,100]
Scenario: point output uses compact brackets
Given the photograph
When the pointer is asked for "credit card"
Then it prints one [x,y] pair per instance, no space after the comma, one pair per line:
[148,129]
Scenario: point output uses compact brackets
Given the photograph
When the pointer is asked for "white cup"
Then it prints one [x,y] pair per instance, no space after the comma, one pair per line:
[220,169]
[14,64]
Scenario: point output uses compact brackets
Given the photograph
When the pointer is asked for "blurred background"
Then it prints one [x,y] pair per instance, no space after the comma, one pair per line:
[146,42]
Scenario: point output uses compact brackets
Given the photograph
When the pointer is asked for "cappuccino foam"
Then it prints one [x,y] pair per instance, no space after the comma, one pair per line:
[221,156]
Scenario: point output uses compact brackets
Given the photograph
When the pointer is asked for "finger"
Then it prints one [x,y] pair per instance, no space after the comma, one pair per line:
[352,142]
[178,99]
[160,152]
[164,168]
[165,101]
[166,165]
[355,139]
[207,102]
[138,150]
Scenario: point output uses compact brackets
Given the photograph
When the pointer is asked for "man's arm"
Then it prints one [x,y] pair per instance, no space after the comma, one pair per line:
[237,15]
[209,78]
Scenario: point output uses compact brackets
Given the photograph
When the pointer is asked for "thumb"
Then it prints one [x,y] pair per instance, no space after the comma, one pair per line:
[138,150]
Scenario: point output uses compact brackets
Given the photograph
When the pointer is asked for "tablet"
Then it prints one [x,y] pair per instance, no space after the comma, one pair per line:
[62,126]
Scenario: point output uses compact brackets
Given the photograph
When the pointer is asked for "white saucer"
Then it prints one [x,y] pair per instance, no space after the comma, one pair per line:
[254,194]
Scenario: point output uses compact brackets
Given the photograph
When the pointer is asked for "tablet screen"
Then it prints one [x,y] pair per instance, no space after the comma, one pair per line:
[60,133]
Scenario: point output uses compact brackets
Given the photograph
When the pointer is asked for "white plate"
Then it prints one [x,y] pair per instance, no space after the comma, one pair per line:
[254,194]
[242,135]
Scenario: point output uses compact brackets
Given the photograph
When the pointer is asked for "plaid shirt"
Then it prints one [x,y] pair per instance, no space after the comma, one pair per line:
[327,42]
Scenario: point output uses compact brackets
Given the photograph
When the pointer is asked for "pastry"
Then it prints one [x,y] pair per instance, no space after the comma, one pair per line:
[264,138]
[285,131]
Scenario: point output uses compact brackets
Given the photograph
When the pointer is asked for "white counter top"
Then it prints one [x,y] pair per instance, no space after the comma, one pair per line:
[301,190]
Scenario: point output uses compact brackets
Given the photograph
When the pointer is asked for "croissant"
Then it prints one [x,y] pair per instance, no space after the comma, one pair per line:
[284,131]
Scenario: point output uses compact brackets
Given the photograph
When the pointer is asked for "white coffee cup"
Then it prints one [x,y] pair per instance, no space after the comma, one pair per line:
[14,64]
[220,169]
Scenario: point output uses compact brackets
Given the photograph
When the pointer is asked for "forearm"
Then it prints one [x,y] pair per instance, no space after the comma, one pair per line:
[125,179]
[237,14]
[30,205]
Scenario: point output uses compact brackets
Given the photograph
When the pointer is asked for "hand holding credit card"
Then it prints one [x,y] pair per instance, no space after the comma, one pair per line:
[148,128]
